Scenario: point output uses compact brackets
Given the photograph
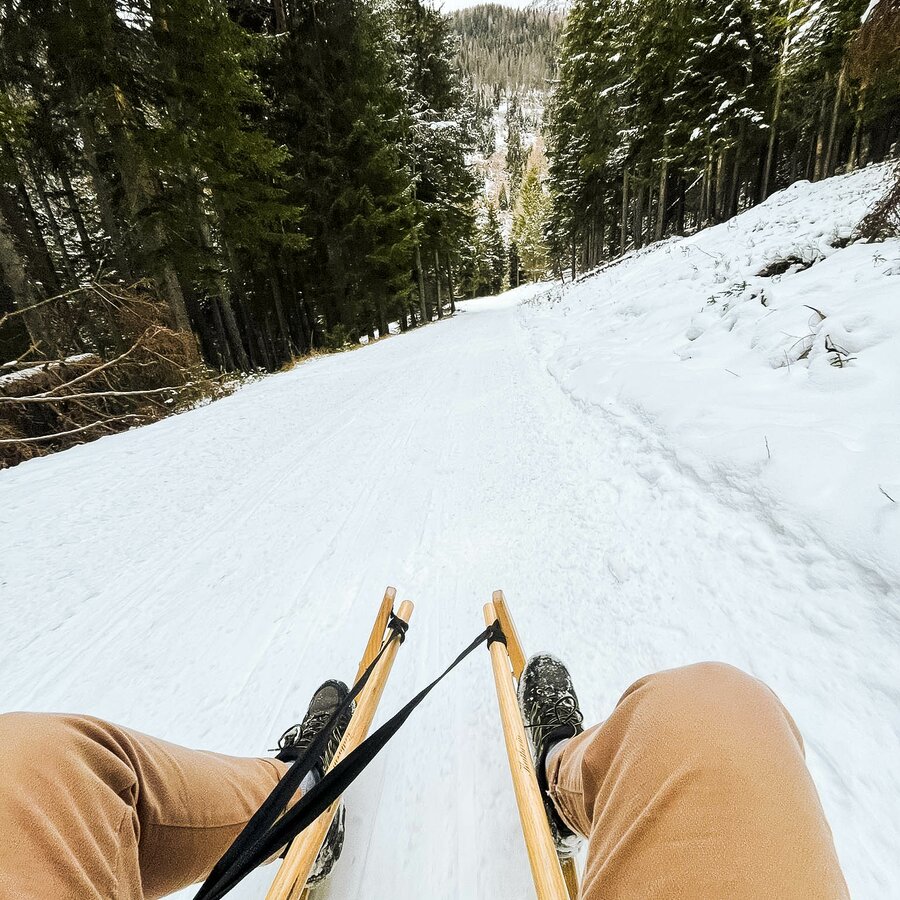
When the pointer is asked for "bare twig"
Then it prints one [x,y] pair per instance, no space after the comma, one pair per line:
[768,451]
[43,398]
[50,403]
[27,309]
[154,329]
[886,494]
[61,434]
[818,312]
[21,361]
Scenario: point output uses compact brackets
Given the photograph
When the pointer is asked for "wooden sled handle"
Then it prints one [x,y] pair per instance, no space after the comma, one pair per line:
[546,870]
[290,881]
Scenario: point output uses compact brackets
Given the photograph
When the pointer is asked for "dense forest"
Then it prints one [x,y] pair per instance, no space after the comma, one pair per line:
[192,188]
[670,115]
[508,57]
[505,49]
[204,183]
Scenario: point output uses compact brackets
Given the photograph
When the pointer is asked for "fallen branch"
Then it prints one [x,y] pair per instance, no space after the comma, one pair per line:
[119,363]
[154,329]
[41,398]
[62,434]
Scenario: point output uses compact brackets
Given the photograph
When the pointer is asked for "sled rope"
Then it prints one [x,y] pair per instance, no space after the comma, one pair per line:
[293,874]
[265,834]
[235,864]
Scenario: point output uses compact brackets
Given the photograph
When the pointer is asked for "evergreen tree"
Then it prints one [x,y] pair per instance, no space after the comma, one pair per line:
[530,221]
[512,50]
[439,118]
[515,151]
[672,114]
[496,250]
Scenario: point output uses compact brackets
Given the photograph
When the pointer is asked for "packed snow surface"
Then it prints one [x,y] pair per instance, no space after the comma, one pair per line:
[660,464]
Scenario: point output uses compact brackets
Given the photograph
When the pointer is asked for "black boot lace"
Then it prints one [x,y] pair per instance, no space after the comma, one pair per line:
[544,718]
[302,735]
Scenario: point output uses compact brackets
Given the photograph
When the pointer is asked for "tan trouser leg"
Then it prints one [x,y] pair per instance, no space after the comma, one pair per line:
[90,810]
[696,788]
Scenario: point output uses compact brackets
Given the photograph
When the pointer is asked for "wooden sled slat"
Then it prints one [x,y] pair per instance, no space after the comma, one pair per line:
[290,881]
[546,871]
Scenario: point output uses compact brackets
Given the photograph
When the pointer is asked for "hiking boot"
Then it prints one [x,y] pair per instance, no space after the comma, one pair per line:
[550,712]
[294,743]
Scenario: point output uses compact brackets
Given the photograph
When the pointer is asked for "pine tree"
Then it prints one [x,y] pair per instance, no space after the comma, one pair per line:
[530,221]
[671,115]
[515,152]
[439,117]
[495,246]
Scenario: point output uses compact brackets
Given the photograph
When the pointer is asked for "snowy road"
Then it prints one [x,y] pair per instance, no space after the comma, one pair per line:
[198,578]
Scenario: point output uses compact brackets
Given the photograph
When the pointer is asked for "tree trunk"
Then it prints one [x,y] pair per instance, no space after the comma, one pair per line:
[624,226]
[285,334]
[720,200]
[280,18]
[450,285]
[383,327]
[819,167]
[831,152]
[45,269]
[223,311]
[308,332]
[638,219]
[257,361]
[421,280]
[38,178]
[733,193]
[275,361]
[663,177]
[234,333]
[437,284]
[140,190]
[226,360]
[706,201]
[87,247]
[24,294]
[171,287]
[853,161]
[776,107]
[104,197]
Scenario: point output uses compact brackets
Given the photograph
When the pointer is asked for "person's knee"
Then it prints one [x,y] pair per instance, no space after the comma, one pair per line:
[715,706]
[29,739]
[26,732]
[707,682]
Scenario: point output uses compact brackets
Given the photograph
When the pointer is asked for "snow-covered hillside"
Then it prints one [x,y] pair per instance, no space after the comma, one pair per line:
[763,358]
[598,451]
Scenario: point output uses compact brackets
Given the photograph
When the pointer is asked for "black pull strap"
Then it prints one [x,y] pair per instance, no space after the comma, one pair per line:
[263,836]
[236,856]
[495,633]
[398,626]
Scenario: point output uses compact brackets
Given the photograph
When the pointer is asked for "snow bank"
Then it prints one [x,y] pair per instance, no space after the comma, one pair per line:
[761,355]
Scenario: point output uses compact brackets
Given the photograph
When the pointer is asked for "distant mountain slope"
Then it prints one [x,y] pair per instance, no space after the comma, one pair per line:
[510,49]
